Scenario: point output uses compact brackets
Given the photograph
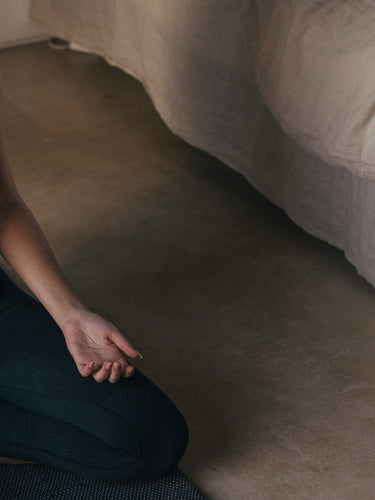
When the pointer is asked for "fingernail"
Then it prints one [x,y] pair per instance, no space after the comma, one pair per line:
[140,355]
[108,365]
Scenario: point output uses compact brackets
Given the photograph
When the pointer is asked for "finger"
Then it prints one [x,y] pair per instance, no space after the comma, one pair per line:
[129,371]
[121,342]
[126,368]
[104,372]
[87,370]
[115,373]
[123,364]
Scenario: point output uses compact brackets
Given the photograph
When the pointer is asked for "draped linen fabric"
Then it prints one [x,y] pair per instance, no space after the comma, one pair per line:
[282,91]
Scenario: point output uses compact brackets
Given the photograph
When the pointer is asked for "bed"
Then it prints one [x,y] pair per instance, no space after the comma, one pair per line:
[281,91]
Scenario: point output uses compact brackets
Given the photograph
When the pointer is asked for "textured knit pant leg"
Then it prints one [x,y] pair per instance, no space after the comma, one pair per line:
[50,414]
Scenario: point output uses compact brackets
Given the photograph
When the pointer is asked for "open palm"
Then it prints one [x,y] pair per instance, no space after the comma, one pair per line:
[94,342]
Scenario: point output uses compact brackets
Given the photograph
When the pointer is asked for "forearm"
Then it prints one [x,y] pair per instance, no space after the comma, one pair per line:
[25,248]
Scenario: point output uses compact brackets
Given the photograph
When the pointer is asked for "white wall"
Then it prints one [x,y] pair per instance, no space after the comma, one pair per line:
[15,28]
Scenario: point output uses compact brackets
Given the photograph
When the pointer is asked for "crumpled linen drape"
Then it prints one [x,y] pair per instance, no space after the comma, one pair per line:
[282,91]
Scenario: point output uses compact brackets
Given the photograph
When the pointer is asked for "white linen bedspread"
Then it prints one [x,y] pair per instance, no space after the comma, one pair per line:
[282,91]
[315,66]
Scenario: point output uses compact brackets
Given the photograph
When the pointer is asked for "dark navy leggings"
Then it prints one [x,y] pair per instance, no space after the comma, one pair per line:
[50,414]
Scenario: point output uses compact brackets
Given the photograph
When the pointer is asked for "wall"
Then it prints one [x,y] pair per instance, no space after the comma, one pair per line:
[15,28]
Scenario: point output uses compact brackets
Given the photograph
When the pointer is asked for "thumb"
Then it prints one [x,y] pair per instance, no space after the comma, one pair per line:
[121,342]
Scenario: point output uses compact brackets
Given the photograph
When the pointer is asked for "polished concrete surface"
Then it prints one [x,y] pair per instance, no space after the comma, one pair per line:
[263,335]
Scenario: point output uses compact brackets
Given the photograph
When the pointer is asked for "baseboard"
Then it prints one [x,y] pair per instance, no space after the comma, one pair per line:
[24,41]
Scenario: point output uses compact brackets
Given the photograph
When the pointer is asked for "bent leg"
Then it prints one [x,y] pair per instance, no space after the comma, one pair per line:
[35,437]
[134,424]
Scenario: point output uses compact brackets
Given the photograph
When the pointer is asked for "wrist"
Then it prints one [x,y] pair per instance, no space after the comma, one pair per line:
[72,319]
[68,311]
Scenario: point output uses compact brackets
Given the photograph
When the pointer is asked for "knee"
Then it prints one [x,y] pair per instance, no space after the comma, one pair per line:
[159,430]
[163,438]
[170,443]
[164,441]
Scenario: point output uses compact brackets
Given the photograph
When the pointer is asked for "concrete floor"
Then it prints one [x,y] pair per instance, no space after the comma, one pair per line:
[262,335]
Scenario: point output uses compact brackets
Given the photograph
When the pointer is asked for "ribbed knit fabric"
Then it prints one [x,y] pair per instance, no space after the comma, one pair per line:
[45,482]
[50,414]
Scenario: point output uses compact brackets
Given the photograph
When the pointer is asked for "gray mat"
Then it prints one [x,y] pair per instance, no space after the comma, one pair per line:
[46,482]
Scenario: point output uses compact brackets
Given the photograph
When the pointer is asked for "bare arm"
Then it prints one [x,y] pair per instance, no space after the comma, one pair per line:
[25,248]
[96,345]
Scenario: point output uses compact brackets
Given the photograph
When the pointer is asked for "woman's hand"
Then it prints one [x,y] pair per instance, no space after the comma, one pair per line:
[93,342]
